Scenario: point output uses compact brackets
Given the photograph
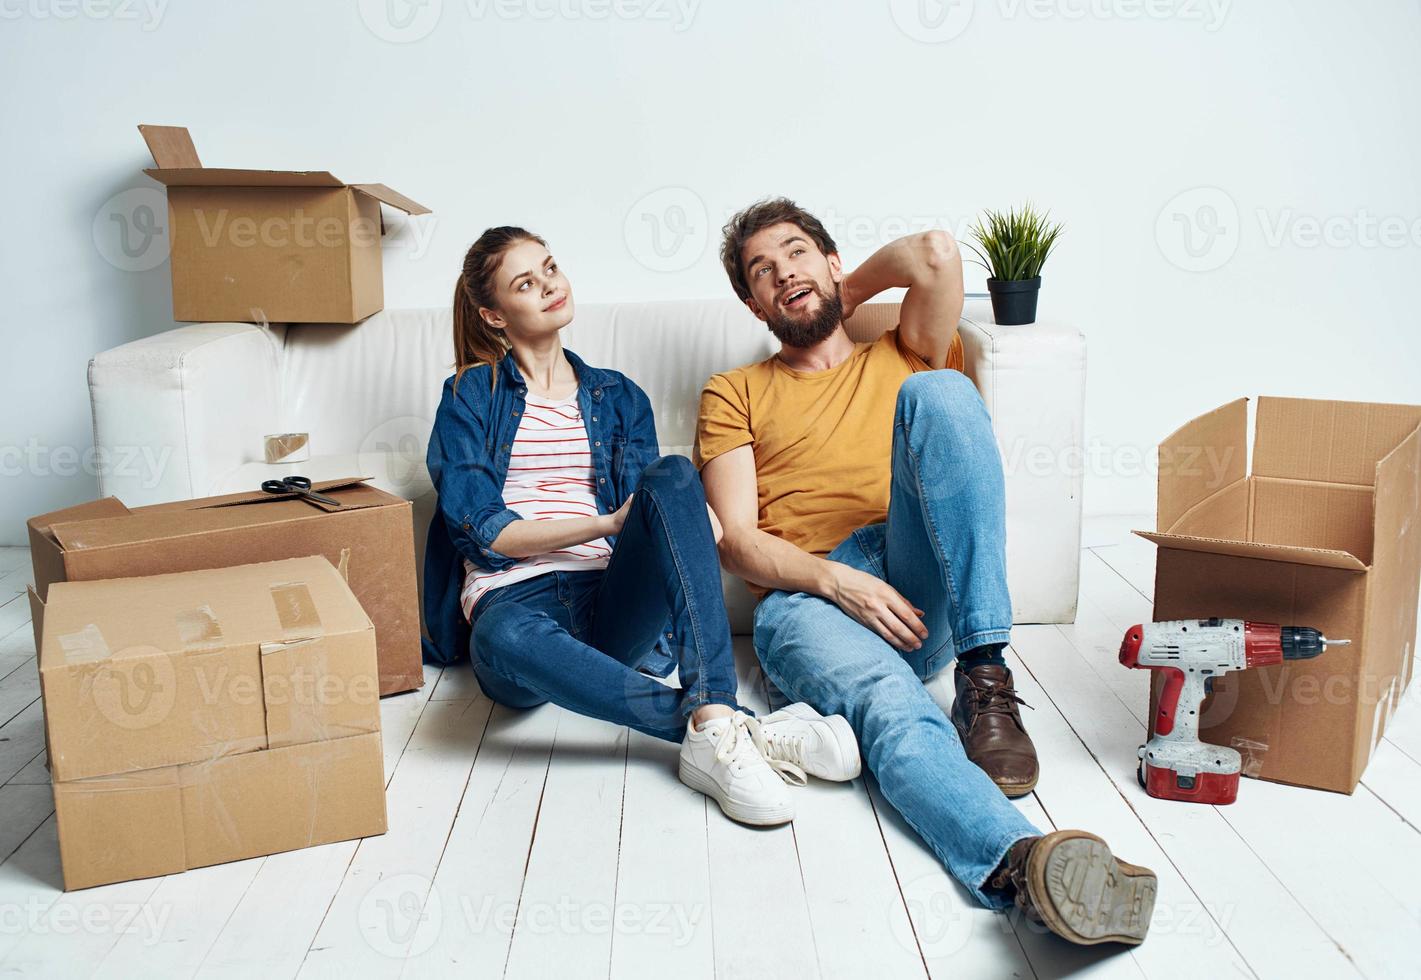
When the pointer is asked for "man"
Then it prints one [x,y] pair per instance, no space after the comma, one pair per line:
[860,491]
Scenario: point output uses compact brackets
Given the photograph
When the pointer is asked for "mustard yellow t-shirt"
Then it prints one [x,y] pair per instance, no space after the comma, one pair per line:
[822,440]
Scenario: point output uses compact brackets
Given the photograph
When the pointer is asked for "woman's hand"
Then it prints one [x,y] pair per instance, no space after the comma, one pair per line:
[616,519]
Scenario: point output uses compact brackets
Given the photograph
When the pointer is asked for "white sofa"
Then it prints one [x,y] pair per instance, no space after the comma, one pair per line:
[183,413]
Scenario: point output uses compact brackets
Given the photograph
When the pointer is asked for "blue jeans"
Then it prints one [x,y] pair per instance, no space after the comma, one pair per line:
[944,548]
[577,638]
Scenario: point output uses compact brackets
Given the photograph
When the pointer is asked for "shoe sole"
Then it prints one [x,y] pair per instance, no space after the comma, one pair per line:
[757,816]
[1092,897]
[1015,790]
[1011,790]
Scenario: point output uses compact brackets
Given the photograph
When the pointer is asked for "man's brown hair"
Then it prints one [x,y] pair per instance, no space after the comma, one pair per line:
[756,218]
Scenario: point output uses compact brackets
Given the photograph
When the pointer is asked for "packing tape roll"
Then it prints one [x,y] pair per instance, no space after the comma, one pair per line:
[288,447]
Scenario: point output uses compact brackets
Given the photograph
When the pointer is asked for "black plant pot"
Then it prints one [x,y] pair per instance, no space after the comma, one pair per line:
[1014,300]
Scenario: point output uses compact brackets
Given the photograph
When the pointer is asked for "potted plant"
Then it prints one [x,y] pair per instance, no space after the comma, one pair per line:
[1014,246]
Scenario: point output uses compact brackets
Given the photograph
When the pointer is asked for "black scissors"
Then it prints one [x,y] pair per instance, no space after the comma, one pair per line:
[298,485]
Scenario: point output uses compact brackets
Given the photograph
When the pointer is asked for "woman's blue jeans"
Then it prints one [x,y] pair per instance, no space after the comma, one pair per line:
[943,548]
[577,638]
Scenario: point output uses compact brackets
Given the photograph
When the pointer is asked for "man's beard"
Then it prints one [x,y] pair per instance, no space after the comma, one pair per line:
[795,331]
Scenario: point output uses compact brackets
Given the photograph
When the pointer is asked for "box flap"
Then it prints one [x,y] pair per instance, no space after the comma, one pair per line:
[1331,516]
[212,608]
[393,198]
[1396,566]
[1322,557]
[1201,458]
[259,496]
[171,146]
[146,527]
[93,510]
[36,616]
[219,177]
[1329,441]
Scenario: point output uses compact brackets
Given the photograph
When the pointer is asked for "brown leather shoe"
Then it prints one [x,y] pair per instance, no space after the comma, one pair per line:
[986,715]
[1071,883]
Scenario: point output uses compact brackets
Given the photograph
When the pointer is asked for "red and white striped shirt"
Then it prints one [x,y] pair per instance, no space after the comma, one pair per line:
[549,477]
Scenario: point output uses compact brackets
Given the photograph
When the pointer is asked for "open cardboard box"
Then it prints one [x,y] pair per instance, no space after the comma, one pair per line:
[370,535]
[1325,532]
[285,246]
[208,716]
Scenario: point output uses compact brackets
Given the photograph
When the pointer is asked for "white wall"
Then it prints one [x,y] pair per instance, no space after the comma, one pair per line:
[576,116]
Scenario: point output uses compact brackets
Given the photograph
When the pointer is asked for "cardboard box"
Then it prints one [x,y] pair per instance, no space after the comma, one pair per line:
[209,716]
[370,535]
[287,246]
[1325,532]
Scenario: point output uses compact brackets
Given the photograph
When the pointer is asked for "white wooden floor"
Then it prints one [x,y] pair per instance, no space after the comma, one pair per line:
[541,844]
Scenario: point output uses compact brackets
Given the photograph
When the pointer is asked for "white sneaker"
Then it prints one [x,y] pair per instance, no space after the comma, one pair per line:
[802,737]
[725,759]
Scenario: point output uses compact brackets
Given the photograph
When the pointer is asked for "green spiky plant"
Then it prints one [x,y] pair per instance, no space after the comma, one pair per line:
[1014,244]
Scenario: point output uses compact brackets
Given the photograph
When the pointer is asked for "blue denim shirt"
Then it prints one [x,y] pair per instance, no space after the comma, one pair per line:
[468,457]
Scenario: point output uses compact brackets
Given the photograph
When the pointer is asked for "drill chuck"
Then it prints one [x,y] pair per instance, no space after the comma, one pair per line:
[1304,642]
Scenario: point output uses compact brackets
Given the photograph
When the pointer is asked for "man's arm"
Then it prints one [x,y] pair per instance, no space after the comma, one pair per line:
[766,560]
[929,265]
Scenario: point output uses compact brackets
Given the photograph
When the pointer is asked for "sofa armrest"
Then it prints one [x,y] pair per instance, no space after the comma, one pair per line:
[1032,379]
[176,412]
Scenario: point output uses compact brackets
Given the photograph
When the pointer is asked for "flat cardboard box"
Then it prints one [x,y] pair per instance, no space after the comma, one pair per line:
[370,535]
[1325,532]
[208,716]
[285,246]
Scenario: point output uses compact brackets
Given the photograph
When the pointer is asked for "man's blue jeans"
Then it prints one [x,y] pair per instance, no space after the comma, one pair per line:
[577,638]
[943,548]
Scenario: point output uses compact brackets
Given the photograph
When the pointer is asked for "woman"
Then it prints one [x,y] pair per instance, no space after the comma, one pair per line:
[574,555]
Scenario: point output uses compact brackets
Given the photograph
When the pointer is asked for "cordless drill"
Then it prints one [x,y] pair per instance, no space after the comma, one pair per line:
[1174,764]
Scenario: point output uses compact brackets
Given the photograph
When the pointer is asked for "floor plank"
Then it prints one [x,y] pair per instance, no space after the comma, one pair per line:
[194,907]
[17,647]
[744,901]
[664,869]
[394,870]
[464,925]
[21,740]
[62,934]
[33,773]
[856,908]
[22,810]
[14,612]
[569,906]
